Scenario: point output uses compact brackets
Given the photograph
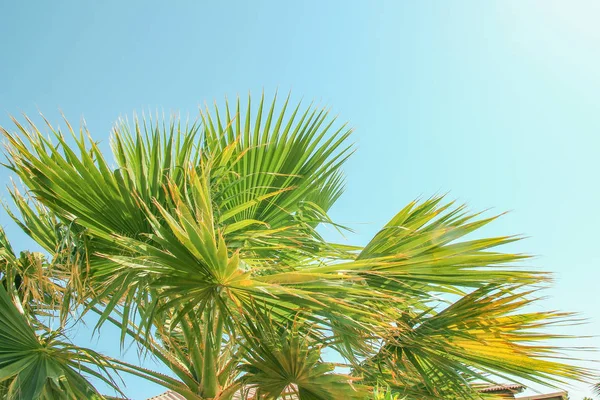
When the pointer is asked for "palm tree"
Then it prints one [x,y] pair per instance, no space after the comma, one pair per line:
[200,243]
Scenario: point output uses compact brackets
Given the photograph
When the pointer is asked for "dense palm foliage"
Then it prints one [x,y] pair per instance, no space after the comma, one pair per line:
[200,243]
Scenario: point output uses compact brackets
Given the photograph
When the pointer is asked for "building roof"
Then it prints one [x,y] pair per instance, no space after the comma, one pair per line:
[503,388]
[549,396]
[168,396]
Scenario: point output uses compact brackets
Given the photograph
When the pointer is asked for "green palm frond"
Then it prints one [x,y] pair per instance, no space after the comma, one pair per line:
[35,220]
[31,282]
[481,336]
[421,247]
[40,365]
[287,359]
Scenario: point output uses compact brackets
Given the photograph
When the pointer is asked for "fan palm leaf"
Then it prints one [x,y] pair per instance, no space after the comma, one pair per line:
[41,365]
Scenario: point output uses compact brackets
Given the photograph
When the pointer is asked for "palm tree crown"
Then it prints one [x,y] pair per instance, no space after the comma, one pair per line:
[200,243]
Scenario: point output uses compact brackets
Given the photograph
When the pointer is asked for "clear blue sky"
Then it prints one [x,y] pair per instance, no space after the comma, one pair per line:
[496,102]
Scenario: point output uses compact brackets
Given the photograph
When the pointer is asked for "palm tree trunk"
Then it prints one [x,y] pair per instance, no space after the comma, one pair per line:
[212,346]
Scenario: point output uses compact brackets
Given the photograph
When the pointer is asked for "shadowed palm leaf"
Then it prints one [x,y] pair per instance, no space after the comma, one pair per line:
[42,366]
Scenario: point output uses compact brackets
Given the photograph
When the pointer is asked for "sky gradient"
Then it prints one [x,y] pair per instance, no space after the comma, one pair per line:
[496,103]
